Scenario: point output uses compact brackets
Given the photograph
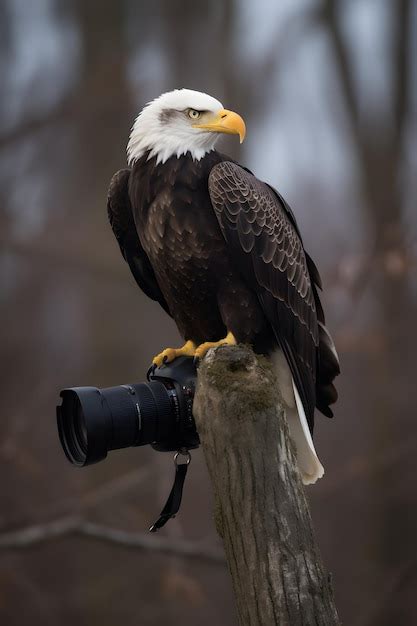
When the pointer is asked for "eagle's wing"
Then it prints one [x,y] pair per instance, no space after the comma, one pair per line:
[266,245]
[123,225]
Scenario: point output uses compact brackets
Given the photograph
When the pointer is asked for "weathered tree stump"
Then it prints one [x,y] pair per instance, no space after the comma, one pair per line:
[261,511]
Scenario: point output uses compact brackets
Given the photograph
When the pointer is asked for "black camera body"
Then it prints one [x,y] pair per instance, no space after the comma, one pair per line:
[92,421]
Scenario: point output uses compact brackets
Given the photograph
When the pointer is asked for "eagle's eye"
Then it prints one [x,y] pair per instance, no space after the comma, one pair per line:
[194,114]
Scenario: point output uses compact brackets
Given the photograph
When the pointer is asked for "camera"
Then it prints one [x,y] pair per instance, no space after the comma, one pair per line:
[158,412]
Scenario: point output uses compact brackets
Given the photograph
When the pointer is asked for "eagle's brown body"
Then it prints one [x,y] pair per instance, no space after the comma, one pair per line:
[221,251]
[172,210]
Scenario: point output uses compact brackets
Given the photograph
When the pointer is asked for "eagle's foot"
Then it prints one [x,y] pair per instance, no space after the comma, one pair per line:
[169,354]
[203,348]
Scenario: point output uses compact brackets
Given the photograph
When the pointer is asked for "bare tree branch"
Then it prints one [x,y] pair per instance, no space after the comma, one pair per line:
[401,77]
[33,125]
[37,534]
[378,144]
[330,17]
[31,535]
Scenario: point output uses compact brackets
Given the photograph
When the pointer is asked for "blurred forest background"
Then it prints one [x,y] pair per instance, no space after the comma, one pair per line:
[328,89]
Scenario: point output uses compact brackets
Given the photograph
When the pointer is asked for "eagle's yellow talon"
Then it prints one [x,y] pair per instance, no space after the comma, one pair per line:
[203,348]
[169,354]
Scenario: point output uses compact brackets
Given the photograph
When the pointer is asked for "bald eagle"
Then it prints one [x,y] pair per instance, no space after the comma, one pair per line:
[222,254]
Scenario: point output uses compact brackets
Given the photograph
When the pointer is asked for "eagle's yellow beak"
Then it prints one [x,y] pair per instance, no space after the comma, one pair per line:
[225,121]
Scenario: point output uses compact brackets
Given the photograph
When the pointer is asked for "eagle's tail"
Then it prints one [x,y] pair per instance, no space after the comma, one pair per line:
[308,462]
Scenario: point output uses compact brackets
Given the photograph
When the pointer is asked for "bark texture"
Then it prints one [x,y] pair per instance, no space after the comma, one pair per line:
[261,511]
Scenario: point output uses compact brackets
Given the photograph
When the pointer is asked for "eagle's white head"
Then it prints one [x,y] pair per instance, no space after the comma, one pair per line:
[181,121]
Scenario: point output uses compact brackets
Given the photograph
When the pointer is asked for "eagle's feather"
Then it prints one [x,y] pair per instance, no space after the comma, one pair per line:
[121,220]
[264,241]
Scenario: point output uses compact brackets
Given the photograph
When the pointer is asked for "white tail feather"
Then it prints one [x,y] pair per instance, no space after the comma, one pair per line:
[308,462]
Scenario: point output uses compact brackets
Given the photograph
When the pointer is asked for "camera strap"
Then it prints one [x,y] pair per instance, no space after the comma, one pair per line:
[173,503]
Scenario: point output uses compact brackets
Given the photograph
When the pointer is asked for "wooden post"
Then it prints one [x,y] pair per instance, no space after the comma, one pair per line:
[261,511]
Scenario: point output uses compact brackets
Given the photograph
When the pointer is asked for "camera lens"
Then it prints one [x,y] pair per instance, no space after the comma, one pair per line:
[80,429]
[93,421]
[72,426]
